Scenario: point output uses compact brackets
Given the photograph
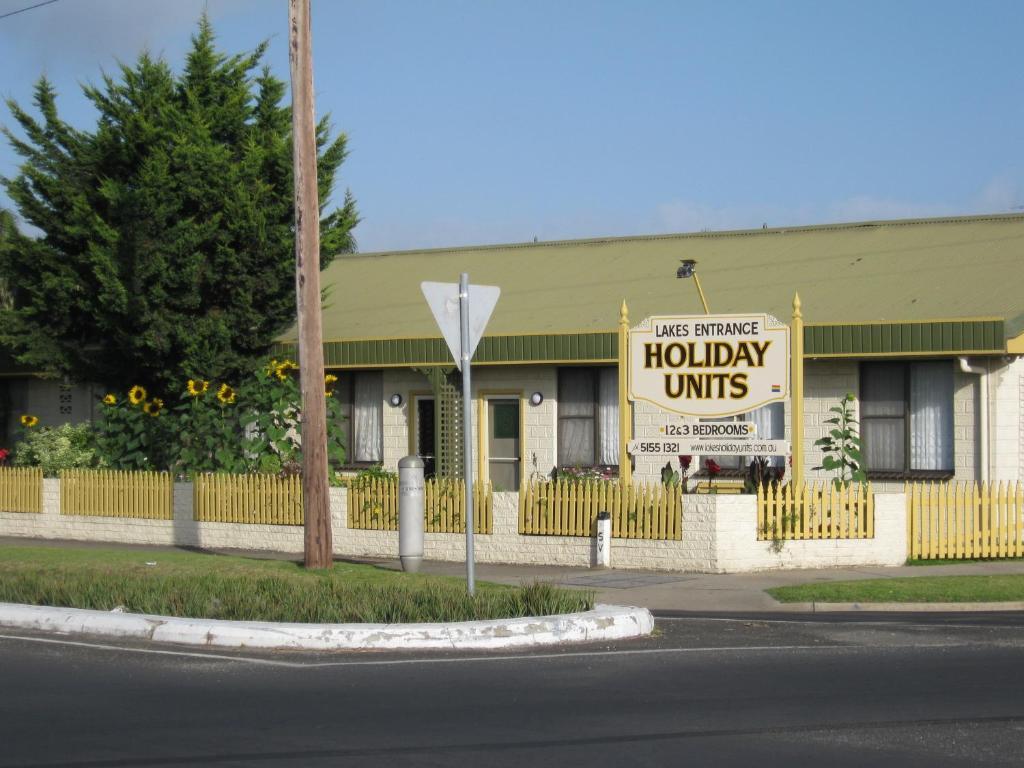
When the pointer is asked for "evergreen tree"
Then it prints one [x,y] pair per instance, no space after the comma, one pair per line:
[166,248]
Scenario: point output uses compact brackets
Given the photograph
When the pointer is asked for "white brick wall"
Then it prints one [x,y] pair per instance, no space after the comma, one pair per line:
[826,382]
[1007,432]
[719,535]
[739,551]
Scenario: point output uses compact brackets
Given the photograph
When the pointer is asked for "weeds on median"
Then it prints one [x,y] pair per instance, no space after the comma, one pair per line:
[278,595]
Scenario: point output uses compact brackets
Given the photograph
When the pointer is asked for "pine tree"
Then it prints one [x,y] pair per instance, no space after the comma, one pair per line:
[166,248]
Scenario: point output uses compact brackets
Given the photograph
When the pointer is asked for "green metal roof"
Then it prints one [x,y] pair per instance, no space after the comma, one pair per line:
[896,275]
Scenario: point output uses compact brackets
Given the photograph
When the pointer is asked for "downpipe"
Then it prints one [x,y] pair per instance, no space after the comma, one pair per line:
[983,373]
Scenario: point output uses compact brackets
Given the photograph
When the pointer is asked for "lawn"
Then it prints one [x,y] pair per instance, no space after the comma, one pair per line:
[205,585]
[916,589]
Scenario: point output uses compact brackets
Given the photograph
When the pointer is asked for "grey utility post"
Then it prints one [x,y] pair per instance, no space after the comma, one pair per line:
[467,426]
[410,513]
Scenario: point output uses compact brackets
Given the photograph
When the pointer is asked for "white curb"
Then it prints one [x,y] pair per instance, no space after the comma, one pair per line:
[605,622]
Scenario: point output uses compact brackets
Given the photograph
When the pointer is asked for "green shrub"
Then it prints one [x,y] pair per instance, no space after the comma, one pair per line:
[56,448]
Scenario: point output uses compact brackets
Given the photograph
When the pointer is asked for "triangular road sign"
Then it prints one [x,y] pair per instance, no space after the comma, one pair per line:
[443,299]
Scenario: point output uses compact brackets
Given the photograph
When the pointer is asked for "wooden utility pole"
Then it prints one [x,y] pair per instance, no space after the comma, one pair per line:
[315,497]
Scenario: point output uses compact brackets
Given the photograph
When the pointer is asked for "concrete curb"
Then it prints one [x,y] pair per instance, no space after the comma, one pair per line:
[904,607]
[605,622]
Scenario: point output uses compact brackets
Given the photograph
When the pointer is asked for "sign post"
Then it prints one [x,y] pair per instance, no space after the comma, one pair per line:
[797,415]
[462,323]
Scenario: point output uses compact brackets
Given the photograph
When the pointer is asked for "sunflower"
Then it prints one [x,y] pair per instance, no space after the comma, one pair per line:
[272,367]
[281,371]
[137,394]
[110,400]
[197,388]
[330,378]
[226,394]
[29,421]
[153,407]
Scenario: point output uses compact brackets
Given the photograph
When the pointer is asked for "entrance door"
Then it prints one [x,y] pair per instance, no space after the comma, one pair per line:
[503,449]
[425,434]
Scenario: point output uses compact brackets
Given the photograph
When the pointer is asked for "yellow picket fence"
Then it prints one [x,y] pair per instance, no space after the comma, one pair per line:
[21,489]
[113,493]
[256,499]
[815,511]
[965,520]
[373,505]
[565,508]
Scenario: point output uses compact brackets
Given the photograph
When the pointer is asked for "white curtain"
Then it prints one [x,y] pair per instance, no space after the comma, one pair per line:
[770,421]
[368,417]
[608,416]
[931,416]
[575,417]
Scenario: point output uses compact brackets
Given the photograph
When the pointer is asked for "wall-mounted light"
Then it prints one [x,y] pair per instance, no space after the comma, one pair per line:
[536,398]
[395,400]
[688,270]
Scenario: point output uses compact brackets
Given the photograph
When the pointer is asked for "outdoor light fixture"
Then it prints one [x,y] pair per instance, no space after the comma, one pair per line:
[689,269]
[395,400]
[536,398]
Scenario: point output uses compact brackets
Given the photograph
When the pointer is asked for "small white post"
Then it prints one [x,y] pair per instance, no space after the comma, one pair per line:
[604,540]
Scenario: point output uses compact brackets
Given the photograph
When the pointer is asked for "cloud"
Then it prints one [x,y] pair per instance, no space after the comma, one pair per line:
[1001,194]
[867,208]
[86,36]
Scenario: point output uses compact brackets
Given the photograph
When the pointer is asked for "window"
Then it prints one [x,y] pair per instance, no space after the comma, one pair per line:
[907,417]
[771,424]
[361,395]
[588,417]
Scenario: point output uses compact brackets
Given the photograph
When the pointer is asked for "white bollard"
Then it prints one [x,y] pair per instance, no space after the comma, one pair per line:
[604,540]
[410,513]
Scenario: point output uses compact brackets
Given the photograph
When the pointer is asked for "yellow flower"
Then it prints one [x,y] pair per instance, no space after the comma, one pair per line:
[110,400]
[330,378]
[137,394]
[197,388]
[329,393]
[153,407]
[226,394]
[29,421]
[281,371]
[272,367]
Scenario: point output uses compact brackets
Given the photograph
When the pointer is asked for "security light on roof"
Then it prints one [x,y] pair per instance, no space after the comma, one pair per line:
[687,269]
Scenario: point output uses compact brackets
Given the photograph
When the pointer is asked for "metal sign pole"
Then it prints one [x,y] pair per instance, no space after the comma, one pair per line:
[467,427]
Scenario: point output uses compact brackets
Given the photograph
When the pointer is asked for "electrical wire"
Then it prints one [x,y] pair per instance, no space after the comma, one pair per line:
[27,8]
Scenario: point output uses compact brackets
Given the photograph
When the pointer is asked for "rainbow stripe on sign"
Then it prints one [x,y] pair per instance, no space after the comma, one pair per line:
[776,388]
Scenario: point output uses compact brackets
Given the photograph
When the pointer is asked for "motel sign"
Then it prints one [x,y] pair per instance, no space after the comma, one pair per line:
[708,366]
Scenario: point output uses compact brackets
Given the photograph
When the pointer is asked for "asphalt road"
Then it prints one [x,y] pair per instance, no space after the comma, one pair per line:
[893,690]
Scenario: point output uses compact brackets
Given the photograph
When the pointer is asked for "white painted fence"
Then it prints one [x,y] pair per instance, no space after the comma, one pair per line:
[719,536]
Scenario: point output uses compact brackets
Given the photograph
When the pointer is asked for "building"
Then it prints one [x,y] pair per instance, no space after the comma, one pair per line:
[922,320]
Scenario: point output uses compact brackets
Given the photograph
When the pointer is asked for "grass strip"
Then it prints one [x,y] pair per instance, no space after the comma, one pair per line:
[995,588]
[199,585]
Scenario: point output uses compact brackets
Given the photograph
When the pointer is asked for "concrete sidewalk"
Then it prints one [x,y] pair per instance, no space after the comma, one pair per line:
[657,591]
[698,592]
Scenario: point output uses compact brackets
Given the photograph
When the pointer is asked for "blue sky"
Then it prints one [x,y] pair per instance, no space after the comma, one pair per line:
[483,121]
